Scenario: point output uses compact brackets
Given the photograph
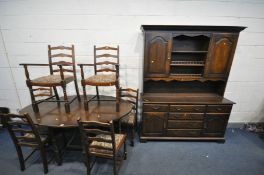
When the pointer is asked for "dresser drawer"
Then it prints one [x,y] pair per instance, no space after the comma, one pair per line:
[219,108]
[155,108]
[187,108]
[173,124]
[184,132]
[186,116]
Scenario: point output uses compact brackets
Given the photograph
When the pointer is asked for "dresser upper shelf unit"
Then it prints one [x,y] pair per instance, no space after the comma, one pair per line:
[186,69]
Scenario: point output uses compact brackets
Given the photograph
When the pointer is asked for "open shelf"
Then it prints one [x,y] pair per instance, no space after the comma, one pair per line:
[192,43]
[187,63]
[186,75]
[189,51]
[188,56]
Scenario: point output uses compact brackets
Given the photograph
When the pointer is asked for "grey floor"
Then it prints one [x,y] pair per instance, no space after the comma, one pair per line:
[242,153]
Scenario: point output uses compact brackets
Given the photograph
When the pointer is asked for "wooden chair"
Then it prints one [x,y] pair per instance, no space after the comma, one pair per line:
[3,110]
[106,72]
[24,133]
[130,121]
[99,140]
[57,77]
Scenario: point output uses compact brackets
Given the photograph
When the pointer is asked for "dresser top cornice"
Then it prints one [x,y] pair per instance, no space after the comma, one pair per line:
[191,28]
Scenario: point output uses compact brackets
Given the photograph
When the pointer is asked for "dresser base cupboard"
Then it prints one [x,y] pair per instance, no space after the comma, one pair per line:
[186,69]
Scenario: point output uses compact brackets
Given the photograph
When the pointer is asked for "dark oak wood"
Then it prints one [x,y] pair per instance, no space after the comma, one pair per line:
[54,116]
[24,133]
[60,68]
[186,69]
[191,28]
[101,60]
[130,122]
[221,55]
[99,140]
[158,46]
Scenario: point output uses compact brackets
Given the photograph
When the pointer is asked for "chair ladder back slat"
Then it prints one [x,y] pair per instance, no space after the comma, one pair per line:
[97,131]
[106,70]
[60,48]
[28,144]
[21,130]
[106,48]
[61,55]
[64,63]
[106,63]
[106,55]
[64,70]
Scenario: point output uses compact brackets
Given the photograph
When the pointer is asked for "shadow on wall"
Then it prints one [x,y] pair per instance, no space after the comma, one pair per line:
[258,117]
[139,48]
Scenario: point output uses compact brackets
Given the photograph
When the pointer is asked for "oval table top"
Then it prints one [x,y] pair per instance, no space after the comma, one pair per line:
[52,115]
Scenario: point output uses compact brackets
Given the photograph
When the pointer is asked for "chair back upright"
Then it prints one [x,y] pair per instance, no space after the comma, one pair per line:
[105,59]
[66,59]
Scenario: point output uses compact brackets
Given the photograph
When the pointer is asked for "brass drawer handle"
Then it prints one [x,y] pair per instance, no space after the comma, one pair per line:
[219,109]
[155,108]
[178,109]
[197,109]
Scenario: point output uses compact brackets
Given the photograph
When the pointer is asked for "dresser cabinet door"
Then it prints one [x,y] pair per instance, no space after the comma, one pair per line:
[215,124]
[221,52]
[154,123]
[157,54]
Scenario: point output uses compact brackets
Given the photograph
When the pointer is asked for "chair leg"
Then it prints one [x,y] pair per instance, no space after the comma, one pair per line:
[66,105]
[20,157]
[117,97]
[132,136]
[88,165]
[125,151]
[33,101]
[85,102]
[44,159]
[114,165]
[97,93]
[56,95]
[77,90]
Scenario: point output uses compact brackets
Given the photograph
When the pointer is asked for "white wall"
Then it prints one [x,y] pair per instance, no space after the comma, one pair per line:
[28,26]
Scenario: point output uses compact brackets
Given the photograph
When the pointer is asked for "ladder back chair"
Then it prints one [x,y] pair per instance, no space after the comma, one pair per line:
[61,73]
[99,140]
[25,134]
[106,72]
[3,110]
[130,121]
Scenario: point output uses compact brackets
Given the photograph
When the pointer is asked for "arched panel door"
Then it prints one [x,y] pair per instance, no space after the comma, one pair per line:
[158,53]
[221,54]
